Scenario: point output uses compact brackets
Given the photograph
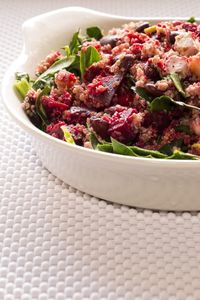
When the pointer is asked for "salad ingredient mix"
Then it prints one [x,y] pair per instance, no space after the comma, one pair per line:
[134,91]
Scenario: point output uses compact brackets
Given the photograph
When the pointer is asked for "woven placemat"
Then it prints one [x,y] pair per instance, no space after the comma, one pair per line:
[58,243]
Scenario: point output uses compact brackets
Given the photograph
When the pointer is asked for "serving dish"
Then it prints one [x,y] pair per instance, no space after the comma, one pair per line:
[155,184]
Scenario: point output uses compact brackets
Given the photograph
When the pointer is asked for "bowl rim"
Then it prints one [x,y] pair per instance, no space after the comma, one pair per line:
[28,126]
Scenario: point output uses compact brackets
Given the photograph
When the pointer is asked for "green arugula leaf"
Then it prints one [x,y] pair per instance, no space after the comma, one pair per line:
[62,63]
[93,140]
[122,149]
[130,82]
[144,152]
[22,75]
[75,66]
[87,58]
[105,147]
[143,93]
[22,87]
[41,83]
[182,155]
[162,103]
[191,20]
[67,135]
[75,43]
[94,32]
[176,80]
[169,147]
[166,152]
[167,103]
[39,109]
[67,50]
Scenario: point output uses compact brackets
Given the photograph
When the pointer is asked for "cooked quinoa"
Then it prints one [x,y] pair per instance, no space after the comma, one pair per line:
[133,91]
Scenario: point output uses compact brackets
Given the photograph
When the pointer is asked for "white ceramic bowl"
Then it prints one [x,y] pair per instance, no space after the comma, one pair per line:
[140,182]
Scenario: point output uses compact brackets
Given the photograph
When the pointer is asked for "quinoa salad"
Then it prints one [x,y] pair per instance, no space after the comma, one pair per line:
[132,91]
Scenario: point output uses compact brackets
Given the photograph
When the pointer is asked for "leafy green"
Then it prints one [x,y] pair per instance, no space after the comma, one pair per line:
[169,147]
[143,93]
[87,58]
[168,151]
[75,43]
[176,80]
[94,32]
[22,87]
[93,140]
[67,50]
[39,107]
[144,152]
[105,147]
[122,149]
[191,20]
[130,82]
[162,103]
[177,154]
[167,103]
[62,63]
[22,75]
[183,104]
[75,66]
[67,135]
[41,83]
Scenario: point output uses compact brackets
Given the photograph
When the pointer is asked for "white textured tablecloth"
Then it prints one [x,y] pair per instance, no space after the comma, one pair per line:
[58,243]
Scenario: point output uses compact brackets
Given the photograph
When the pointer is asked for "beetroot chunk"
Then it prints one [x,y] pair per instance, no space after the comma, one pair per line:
[126,62]
[122,127]
[55,130]
[76,115]
[109,39]
[100,126]
[92,72]
[102,90]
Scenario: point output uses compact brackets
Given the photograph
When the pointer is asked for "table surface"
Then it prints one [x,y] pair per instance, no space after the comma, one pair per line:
[58,243]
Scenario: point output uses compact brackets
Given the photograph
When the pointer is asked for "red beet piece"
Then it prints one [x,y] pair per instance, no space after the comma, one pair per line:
[100,126]
[101,98]
[76,115]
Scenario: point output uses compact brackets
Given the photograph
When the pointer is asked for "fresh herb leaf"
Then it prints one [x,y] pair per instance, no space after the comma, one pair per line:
[167,103]
[176,80]
[105,147]
[93,140]
[87,58]
[94,32]
[144,152]
[67,50]
[22,87]
[75,43]
[122,149]
[67,135]
[39,107]
[143,93]
[180,103]
[41,83]
[75,66]
[22,75]
[62,63]
[168,151]
[130,82]
[191,20]
[182,155]
[162,103]
[169,148]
